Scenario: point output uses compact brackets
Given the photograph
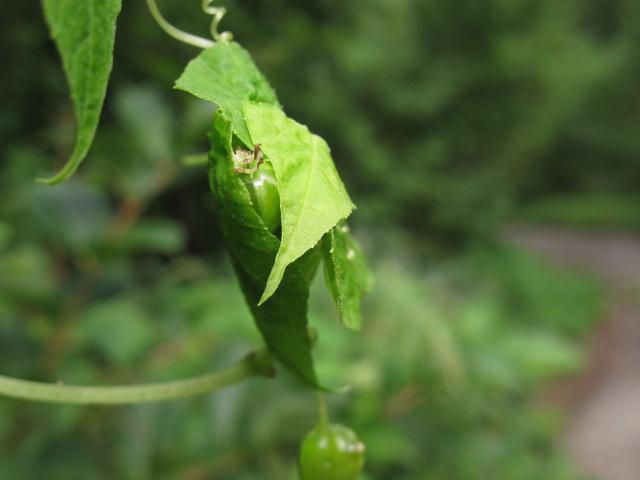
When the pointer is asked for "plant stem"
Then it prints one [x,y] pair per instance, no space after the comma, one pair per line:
[176,33]
[255,364]
[323,413]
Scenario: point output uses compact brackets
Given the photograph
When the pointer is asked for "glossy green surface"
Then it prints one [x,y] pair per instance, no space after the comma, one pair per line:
[331,452]
[263,189]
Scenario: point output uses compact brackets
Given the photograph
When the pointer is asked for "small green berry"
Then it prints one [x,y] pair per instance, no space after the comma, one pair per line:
[331,452]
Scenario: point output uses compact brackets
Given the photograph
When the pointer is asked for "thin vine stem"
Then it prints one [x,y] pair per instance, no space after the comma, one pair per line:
[258,363]
[175,32]
[218,13]
[323,412]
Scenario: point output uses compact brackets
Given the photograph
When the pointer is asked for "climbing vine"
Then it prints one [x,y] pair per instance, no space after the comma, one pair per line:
[282,205]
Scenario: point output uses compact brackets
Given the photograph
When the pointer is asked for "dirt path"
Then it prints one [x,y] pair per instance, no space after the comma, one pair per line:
[604,430]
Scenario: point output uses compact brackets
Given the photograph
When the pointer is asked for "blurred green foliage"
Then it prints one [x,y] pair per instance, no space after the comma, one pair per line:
[586,210]
[442,115]
[442,376]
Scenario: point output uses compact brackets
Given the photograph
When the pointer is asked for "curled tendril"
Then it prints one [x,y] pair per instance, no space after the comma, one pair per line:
[188,38]
[218,13]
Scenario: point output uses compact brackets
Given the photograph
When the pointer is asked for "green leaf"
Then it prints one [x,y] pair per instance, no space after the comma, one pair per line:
[312,196]
[153,236]
[346,273]
[282,320]
[84,32]
[195,160]
[226,75]
[120,329]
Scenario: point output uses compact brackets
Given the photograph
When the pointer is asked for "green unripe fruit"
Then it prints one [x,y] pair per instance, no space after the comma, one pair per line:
[263,189]
[331,452]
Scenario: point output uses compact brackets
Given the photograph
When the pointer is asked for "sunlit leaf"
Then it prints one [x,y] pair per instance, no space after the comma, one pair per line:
[226,75]
[312,196]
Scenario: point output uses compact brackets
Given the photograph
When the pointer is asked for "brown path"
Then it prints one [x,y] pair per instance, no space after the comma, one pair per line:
[604,431]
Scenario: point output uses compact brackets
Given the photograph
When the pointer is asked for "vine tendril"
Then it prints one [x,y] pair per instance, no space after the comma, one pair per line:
[218,13]
[188,38]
